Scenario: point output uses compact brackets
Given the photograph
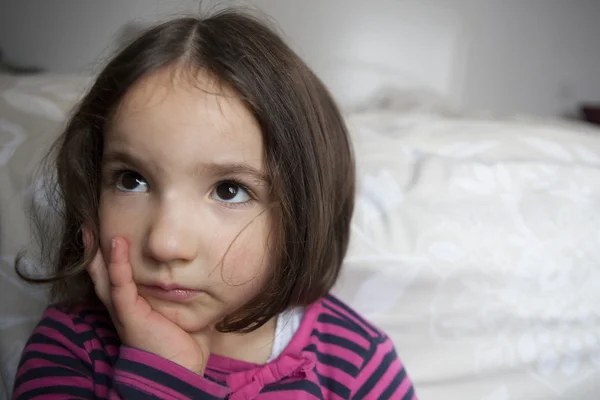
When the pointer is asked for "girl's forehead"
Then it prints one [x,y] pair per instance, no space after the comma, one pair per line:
[191,88]
[189,116]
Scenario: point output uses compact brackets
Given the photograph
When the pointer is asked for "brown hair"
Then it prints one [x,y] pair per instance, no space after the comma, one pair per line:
[308,156]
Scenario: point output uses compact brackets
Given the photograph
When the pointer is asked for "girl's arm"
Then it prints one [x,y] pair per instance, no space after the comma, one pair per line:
[60,362]
[54,362]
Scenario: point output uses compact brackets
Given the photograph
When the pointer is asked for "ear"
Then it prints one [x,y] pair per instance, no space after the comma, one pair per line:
[88,237]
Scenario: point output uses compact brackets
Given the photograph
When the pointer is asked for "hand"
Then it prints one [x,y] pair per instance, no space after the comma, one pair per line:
[137,324]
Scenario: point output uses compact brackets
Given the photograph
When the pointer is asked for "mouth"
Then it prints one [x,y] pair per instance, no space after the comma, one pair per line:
[169,292]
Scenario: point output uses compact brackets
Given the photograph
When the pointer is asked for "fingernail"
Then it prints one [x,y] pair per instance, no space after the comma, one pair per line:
[113,243]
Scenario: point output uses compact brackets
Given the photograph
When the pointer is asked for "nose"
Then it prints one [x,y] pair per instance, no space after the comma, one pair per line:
[170,237]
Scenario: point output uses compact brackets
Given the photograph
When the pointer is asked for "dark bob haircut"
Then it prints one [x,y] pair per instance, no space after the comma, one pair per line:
[308,157]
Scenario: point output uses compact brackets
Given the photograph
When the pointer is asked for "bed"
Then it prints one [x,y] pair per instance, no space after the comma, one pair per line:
[475,241]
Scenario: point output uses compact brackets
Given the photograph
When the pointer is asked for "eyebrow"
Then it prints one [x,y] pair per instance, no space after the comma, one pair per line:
[235,169]
[215,169]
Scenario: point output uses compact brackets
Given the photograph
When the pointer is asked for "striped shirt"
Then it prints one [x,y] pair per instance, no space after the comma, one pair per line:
[335,354]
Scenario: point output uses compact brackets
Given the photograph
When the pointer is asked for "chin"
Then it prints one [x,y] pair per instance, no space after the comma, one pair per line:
[188,317]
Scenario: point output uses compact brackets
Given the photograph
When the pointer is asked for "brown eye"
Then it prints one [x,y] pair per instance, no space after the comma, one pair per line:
[230,192]
[129,181]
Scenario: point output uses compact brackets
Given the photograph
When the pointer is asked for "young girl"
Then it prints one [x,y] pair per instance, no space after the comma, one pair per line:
[207,186]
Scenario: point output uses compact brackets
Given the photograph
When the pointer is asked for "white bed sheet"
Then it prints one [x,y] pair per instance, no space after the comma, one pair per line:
[476,247]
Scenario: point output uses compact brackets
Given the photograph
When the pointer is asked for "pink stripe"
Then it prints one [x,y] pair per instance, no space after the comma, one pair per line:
[103,368]
[112,350]
[148,386]
[104,333]
[50,349]
[341,352]
[101,390]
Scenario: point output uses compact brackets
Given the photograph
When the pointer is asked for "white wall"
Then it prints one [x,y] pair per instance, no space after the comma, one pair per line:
[537,56]
[73,35]
[533,56]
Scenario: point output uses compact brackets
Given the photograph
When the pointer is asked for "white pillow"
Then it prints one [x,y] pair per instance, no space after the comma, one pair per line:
[359,86]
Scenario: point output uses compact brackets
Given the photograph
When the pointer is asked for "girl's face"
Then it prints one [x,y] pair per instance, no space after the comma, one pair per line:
[183,182]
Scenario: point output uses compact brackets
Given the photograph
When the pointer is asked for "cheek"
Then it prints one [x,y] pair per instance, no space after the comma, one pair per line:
[248,260]
[116,218]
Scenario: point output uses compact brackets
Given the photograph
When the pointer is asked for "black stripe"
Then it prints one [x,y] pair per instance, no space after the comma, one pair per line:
[108,341]
[128,392]
[215,380]
[40,338]
[108,326]
[370,354]
[103,379]
[87,336]
[341,342]
[163,379]
[95,312]
[410,394]
[377,375]
[334,386]
[71,362]
[333,361]
[67,391]
[344,323]
[393,386]
[350,311]
[47,372]
[80,319]
[64,330]
[100,355]
[302,385]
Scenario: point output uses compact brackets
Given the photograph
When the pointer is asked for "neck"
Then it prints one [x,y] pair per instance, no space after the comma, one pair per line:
[254,347]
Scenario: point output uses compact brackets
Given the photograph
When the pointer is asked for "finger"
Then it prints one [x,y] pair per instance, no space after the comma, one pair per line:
[99,274]
[124,293]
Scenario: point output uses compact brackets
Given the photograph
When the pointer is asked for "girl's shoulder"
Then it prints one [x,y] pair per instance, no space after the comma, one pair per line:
[349,347]
[330,324]
[334,314]
[85,320]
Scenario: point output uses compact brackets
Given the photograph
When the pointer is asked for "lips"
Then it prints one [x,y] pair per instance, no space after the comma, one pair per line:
[170,286]
[169,292]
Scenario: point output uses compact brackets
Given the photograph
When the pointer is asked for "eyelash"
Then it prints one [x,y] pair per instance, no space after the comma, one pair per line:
[116,173]
[242,186]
